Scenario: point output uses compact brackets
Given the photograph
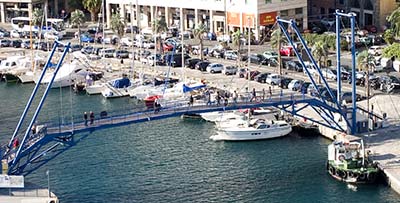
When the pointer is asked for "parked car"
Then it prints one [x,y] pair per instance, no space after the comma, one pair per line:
[15,34]
[5,42]
[312,90]
[155,59]
[231,55]
[375,50]
[348,97]
[16,43]
[202,65]
[191,62]
[389,83]
[329,73]
[214,68]
[287,51]
[242,72]
[148,44]
[107,53]
[304,87]
[250,75]
[229,70]
[258,59]
[75,47]
[4,32]
[285,82]
[126,41]
[273,79]
[270,54]
[86,38]
[295,85]
[121,54]
[26,44]
[262,77]
[294,65]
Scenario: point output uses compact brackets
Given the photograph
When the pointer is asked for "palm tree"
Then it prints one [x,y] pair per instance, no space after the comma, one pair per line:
[158,26]
[198,33]
[320,50]
[117,24]
[236,36]
[37,19]
[276,40]
[394,20]
[364,61]
[77,19]
[93,6]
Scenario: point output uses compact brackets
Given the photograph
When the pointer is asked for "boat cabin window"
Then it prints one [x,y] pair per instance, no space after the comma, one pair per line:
[13,64]
[262,126]
[77,70]
[281,125]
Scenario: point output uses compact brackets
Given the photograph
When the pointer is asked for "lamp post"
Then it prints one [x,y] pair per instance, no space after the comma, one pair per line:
[133,50]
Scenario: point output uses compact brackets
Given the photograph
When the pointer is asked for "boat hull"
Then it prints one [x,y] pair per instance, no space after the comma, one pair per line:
[353,176]
[256,134]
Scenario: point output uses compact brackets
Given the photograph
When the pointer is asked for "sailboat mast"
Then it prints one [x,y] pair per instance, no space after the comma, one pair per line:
[102,21]
[133,50]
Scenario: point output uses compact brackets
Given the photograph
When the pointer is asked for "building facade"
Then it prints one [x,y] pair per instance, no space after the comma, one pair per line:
[220,16]
[368,12]
[15,8]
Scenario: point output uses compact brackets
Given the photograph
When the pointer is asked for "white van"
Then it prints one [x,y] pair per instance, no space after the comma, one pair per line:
[107,53]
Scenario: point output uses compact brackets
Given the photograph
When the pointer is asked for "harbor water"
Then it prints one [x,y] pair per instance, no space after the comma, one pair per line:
[173,160]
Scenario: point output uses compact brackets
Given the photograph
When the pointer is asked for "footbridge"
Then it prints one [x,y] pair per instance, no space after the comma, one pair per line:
[25,152]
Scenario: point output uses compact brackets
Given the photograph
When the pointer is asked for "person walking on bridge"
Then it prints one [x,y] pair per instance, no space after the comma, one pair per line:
[91,115]
[85,117]
[254,94]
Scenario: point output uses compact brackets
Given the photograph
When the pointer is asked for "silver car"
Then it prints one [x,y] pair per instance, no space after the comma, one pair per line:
[229,70]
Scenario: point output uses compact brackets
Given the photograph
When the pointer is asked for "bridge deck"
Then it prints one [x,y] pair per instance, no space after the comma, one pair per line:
[173,111]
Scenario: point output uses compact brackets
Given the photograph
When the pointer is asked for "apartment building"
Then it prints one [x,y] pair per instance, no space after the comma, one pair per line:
[221,16]
[369,12]
[14,8]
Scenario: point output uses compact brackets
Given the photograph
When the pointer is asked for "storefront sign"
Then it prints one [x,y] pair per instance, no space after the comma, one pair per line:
[268,18]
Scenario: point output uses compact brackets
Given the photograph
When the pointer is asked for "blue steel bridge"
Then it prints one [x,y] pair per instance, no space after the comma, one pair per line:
[35,150]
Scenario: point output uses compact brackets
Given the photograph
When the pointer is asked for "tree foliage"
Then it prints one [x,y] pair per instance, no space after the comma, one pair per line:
[198,33]
[37,17]
[159,25]
[388,36]
[93,6]
[394,20]
[363,60]
[392,51]
[117,24]
[77,19]
[276,42]
[320,51]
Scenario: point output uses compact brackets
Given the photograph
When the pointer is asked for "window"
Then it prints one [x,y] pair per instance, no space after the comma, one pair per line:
[299,11]
[342,1]
[268,1]
[284,13]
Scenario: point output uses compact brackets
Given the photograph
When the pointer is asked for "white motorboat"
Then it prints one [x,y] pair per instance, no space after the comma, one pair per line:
[96,88]
[118,87]
[253,130]
[221,116]
[143,91]
[67,75]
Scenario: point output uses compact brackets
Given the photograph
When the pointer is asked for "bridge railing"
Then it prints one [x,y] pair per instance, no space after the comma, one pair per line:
[169,107]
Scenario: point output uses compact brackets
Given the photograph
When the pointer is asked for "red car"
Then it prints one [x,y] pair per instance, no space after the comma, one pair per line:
[287,51]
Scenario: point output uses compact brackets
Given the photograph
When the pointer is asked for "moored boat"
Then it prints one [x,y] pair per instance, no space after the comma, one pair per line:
[348,162]
[254,129]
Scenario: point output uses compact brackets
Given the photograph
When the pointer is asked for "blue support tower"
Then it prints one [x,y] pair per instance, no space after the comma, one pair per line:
[27,132]
[352,16]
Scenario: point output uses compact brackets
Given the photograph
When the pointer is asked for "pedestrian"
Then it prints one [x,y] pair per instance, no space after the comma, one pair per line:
[270,92]
[263,94]
[253,95]
[122,61]
[191,100]
[85,117]
[15,143]
[225,101]
[91,115]
[33,129]
[156,106]
[218,98]
[208,97]
[235,96]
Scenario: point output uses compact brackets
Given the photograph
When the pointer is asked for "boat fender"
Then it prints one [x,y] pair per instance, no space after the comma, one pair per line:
[341,158]
[356,175]
[342,174]
[331,170]
[350,174]
[363,176]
